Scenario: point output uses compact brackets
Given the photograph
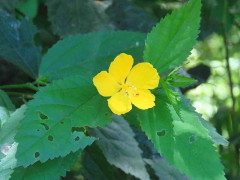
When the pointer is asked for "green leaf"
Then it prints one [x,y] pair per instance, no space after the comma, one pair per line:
[170,42]
[5,101]
[95,166]
[52,169]
[90,53]
[216,138]
[4,116]
[28,8]
[7,145]
[53,122]
[181,81]
[17,43]
[118,145]
[82,17]
[8,5]
[182,140]
[171,94]
[164,171]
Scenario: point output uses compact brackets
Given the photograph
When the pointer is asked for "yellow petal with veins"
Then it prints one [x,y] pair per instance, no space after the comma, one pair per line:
[121,67]
[106,84]
[143,76]
[120,103]
[143,99]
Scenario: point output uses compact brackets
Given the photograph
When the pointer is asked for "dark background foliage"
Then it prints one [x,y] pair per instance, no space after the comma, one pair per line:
[215,63]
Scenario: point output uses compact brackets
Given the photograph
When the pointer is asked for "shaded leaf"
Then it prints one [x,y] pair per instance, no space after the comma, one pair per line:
[118,145]
[164,171]
[82,17]
[95,166]
[28,8]
[8,5]
[5,101]
[185,143]
[88,54]
[169,43]
[17,43]
[53,122]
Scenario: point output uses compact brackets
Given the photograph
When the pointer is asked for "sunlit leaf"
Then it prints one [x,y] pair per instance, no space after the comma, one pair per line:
[88,54]
[170,42]
[55,119]
[51,169]
[181,139]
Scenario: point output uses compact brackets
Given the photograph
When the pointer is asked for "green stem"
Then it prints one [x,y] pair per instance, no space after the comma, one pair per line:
[20,86]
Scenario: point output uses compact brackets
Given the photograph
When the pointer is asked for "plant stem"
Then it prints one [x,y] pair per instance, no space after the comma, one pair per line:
[20,86]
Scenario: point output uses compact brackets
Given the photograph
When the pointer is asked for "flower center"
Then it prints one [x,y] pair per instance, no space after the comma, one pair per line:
[126,87]
[129,90]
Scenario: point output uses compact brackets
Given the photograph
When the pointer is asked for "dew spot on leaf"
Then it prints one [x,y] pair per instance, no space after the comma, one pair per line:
[161,133]
[50,137]
[37,154]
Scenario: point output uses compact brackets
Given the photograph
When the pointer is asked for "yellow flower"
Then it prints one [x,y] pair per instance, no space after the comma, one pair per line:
[127,85]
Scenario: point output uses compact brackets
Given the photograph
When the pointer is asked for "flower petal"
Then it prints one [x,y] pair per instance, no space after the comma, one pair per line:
[106,84]
[121,67]
[143,99]
[120,103]
[143,76]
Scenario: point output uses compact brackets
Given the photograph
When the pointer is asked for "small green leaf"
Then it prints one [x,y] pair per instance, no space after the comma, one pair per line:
[186,143]
[171,94]
[170,42]
[6,102]
[17,43]
[51,126]
[118,138]
[88,54]
[181,81]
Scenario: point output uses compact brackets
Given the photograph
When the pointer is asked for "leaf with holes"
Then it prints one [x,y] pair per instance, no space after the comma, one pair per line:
[53,122]
[51,169]
[88,54]
[181,139]
[123,145]
[170,42]
[17,43]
